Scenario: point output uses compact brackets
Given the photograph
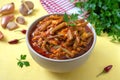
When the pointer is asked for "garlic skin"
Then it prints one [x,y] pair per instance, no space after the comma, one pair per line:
[12,25]
[25,11]
[6,19]
[20,20]
[7,9]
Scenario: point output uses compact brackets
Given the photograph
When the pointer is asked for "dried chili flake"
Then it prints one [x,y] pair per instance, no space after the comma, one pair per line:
[14,41]
[106,70]
[22,31]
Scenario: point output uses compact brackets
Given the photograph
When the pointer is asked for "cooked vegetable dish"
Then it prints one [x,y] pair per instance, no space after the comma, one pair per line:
[56,39]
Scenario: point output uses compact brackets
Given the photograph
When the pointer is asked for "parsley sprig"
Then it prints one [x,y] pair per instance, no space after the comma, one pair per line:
[104,15]
[70,19]
[22,61]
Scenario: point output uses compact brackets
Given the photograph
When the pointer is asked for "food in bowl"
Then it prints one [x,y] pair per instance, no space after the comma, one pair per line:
[55,64]
[54,38]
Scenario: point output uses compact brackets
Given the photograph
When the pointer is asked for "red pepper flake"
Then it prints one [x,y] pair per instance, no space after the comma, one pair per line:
[106,70]
[22,31]
[14,41]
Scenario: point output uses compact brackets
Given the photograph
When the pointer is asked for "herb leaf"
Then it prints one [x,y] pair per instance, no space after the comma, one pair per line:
[22,62]
[71,24]
[23,57]
[74,17]
[65,17]
[26,63]
[105,15]
[70,19]
[79,4]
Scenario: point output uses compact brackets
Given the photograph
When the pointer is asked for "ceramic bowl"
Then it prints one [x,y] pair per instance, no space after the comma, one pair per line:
[57,65]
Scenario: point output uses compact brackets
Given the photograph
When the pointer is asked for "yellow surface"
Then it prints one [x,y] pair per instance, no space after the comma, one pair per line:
[105,53]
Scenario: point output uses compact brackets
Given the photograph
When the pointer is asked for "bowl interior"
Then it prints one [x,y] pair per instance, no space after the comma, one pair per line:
[32,27]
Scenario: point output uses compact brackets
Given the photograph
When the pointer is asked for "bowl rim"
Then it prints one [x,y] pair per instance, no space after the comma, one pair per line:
[55,60]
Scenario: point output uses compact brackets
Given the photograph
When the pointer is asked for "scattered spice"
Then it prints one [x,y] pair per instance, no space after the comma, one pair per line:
[14,41]
[22,31]
[22,62]
[106,70]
